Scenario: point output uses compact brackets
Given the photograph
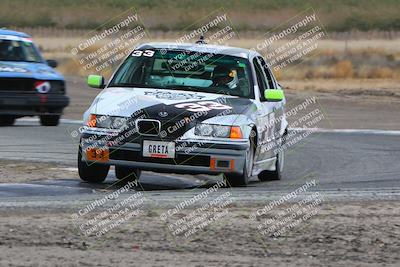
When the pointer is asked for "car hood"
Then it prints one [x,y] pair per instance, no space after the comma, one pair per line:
[39,71]
[166,104]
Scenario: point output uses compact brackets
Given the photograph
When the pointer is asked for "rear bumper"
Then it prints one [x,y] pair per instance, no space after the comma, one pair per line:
[196,158]
[32,104]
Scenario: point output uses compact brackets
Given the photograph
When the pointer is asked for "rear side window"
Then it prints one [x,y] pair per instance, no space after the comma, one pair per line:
[260,78]
[268,74]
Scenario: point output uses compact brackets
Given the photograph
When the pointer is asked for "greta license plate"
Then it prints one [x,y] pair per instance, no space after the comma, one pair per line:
[158,149]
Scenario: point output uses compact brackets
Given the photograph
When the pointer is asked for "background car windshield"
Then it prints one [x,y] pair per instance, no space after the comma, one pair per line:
[186,70]
[11,50]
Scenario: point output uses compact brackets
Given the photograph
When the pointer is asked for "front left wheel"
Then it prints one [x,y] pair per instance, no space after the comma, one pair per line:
[91,172]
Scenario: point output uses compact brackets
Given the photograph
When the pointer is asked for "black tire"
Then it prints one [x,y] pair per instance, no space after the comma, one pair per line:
[127,173]
[49,120]
[91,172]
[235,180]
[7,120]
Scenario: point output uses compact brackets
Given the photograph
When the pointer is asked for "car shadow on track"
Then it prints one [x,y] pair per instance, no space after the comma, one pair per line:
[74,186]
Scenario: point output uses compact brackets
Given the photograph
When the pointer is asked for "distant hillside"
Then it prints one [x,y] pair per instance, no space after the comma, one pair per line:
[336,15]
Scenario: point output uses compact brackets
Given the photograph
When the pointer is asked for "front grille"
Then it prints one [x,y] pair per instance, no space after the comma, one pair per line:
[16,84]
[163,129]
[197,160]
[57,87]
[27,85]
[148,127]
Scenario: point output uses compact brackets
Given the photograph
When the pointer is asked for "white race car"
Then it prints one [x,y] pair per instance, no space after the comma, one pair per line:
[189,108]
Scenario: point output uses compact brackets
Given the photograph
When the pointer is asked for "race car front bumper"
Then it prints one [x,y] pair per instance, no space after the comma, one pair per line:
[18,104]
[192,158]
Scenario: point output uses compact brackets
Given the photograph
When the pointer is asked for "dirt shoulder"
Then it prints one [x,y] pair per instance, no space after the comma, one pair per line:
[25,172]
[340,234]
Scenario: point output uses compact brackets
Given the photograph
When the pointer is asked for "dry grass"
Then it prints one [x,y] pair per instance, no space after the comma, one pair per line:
[382,73]
[333,59]
[343,69]
[377,89]
[339,15]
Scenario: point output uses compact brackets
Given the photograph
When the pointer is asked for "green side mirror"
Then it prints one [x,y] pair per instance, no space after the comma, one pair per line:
[96,81]
[274,95]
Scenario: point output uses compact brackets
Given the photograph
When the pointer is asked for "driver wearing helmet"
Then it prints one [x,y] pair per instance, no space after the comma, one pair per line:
[224,77]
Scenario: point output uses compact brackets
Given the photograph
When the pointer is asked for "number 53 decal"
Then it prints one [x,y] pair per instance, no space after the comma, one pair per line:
[202,106]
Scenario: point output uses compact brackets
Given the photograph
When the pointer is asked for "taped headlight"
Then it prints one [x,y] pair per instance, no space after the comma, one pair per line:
[203,129]
[221,131]
[118,122]
[104,121]
[212,130]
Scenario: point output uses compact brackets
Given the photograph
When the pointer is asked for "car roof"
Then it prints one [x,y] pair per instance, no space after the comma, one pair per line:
[205,48]
[14,33]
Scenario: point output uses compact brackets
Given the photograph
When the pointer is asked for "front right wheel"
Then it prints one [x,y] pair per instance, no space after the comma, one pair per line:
[91,172]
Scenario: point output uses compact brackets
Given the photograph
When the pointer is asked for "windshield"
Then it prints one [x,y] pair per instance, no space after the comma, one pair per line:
[185,70]
[12,50]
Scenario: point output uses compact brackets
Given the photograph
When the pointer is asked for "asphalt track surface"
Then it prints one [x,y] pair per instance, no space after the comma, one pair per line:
[345,164]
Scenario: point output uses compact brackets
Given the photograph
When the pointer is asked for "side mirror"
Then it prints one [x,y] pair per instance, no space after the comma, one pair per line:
[96,81]
[274,95]
[52,63]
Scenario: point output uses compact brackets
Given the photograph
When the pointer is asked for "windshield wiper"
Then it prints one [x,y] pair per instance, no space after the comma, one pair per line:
[130,85]
[185,88]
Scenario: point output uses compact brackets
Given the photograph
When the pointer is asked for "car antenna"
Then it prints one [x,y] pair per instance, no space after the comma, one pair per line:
[201,40]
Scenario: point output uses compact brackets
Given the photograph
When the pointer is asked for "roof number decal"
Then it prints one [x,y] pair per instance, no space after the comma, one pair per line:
[146,53]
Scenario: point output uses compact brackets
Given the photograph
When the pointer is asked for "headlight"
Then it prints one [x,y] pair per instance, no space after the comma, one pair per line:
[104,122]
[204,129]
[118,122]
[213,130]
[108,122]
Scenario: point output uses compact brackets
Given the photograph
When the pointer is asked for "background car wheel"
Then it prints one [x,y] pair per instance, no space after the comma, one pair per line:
[50,120]
[235,180]
[7,120]
[91,172]
[127,173]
